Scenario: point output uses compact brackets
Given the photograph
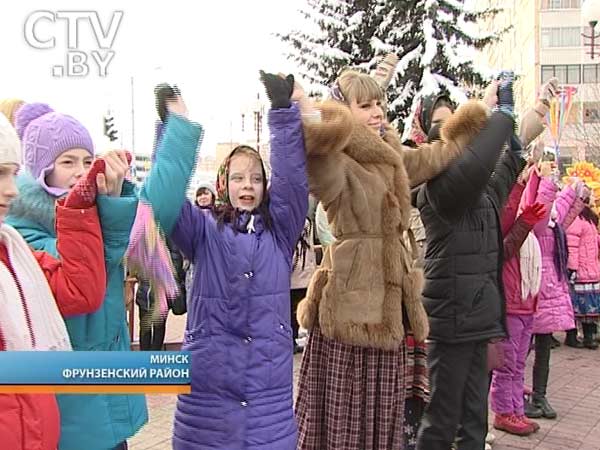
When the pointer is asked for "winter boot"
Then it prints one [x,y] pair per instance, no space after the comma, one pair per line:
[588,336]
[543,404]
[571,339]
[531,411]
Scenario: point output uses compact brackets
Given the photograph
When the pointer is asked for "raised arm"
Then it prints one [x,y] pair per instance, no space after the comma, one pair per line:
[505,175]
[509,212]
[564,202]
[429,159]
[459,187]
[78,277]
[546,194]
[289,186]
[166,185]
[325,138]
[518,233]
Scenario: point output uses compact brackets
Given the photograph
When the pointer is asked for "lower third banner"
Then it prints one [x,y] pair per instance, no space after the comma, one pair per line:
[95,372]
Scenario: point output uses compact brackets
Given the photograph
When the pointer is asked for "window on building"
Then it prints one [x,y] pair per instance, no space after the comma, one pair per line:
[566,74]
[591,113]
[560,72]
[547,73]
[561,4]
[561,37]
[574,74]
[590,73]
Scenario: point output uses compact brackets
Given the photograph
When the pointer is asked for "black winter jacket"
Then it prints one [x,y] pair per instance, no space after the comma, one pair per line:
[460,209]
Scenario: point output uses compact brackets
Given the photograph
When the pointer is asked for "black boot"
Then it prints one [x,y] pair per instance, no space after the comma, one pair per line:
[544,406]
[541,371]
[571,339]
[532,411]
[588,336]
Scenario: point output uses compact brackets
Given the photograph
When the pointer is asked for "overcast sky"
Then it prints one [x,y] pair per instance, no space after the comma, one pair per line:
[211,49]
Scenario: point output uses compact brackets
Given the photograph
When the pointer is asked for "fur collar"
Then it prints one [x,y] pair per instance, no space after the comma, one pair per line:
[34,203]
[366,147]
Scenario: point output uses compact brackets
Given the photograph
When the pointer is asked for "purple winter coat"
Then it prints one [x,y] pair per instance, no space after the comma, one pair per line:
[554,309]
[238,329]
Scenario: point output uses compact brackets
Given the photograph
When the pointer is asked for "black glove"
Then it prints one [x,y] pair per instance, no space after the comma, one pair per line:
[162,93]
[506,101]
[278,89]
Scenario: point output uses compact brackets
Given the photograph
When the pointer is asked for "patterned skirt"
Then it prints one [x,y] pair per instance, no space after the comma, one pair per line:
[350,397]
[417,390]
[586,301]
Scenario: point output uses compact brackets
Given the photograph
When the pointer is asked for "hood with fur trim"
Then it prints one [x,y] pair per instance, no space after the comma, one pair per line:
[33,204]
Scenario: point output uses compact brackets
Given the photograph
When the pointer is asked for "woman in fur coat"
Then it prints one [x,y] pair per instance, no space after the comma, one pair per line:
[367,291]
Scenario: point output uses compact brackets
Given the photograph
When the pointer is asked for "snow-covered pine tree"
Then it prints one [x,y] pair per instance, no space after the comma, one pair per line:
[434,39]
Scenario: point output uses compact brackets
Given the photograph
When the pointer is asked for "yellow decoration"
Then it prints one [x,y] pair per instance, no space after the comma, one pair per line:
[590,175]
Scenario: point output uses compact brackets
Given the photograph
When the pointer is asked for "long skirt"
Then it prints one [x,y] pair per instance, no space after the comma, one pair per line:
[586,302]
[350,397]
[417,390]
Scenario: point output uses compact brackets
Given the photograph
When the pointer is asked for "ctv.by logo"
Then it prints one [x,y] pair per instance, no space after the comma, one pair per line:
[77,61]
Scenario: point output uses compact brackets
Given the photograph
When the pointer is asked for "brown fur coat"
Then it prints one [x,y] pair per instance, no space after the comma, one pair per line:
[368,278]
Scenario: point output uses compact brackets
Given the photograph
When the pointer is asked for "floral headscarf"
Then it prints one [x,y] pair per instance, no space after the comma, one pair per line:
[223,175]
[417,134]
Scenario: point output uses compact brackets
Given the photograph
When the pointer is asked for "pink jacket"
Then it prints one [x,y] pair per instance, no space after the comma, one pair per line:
[554,309]
[515,232]
[583,240]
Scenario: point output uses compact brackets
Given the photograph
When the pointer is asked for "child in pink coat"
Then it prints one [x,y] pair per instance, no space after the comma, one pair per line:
[584,275]
[521,273]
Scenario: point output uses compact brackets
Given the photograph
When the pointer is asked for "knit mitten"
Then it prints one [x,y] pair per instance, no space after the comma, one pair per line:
[385,70]
[279,90]
[83,194]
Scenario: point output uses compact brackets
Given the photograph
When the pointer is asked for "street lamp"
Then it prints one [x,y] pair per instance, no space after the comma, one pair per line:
[590,13]
[259,112]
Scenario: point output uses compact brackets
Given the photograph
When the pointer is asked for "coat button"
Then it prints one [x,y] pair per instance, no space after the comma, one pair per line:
[249,274]
[244,403]
[248,340]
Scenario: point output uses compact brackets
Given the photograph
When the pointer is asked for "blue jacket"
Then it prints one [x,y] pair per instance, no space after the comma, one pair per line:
[238,329]
[91,422]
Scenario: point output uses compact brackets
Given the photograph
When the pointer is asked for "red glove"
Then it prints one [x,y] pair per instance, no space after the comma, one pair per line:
[532,214]
[83,194]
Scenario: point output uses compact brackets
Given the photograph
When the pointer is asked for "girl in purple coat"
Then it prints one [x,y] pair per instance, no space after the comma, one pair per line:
[238,329]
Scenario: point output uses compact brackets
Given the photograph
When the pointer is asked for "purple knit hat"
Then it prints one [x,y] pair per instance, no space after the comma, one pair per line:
[45,135]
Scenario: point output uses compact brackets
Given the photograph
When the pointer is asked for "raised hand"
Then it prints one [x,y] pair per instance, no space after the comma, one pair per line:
[490,98]
[83,194]
[162,94]
[117,165]
[549,90]
[532,214]
[279,89]
[177,106]
[506,101]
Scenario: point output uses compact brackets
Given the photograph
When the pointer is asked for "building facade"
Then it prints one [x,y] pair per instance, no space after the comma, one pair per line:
[546,41]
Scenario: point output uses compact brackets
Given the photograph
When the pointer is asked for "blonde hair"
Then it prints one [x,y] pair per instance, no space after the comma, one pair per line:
[359,86]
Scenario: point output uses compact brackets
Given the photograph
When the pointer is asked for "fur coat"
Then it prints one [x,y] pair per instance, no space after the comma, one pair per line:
[368,279]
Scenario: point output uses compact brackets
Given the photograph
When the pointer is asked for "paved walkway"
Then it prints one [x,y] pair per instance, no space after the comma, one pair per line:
[574,392]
